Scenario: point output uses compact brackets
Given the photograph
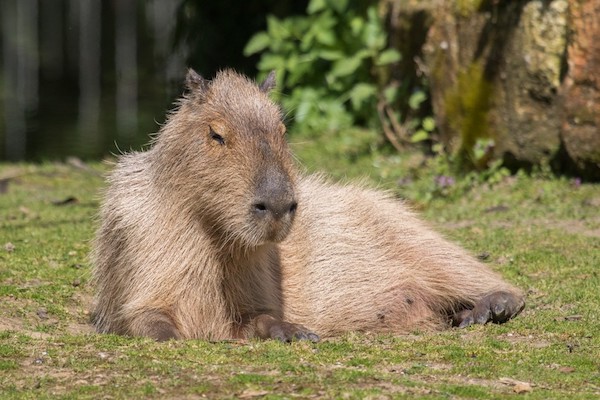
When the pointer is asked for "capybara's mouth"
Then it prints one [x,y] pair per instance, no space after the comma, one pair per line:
[277,232]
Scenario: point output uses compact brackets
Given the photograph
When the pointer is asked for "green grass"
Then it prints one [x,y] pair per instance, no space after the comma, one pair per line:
[541,233]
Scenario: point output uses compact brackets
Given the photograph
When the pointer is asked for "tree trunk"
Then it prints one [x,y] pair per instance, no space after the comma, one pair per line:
[520,78]
[495,69]
[581,87]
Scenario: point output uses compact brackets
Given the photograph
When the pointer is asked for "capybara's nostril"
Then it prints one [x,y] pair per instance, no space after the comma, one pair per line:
[293,207]
[260,207]
[275,209]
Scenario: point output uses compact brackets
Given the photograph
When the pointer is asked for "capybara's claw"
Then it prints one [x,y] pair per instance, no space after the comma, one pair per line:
[288,332]
[497,307]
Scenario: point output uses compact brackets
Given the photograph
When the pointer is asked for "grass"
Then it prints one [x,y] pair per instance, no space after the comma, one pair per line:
[541,233]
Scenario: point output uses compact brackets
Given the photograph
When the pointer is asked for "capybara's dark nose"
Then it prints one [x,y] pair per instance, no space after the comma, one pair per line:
[274,195]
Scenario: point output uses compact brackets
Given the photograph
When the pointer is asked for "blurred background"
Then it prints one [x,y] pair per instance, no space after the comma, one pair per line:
[83,77]
[480,82]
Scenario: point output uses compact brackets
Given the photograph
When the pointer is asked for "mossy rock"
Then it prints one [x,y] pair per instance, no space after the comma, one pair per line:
[496,70]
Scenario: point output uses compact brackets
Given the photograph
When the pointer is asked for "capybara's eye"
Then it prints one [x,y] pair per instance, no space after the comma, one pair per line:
[216,137]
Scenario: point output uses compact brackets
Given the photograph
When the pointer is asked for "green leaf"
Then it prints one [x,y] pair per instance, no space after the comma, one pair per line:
[277,29]
[331,55]
[374,37]
[315,6]
[388,56]
[270,61]
[390,93]
[419,136]
[356,25]
[323,27]
[300,68]
[360,93]
[345,66]
[326,37]
[299,73]
[416,99]
[338,5]
[428,124]
[308,100]
[257,43]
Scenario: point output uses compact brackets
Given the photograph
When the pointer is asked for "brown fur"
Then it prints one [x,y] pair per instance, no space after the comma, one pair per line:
[200,238]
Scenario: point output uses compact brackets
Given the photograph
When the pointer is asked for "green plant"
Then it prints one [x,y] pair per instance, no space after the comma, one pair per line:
[332,62]
[422,127]
[443,178]
[414,128]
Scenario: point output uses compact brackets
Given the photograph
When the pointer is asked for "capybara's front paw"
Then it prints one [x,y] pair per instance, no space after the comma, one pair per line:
[265,326]
[287,332]
[497,307]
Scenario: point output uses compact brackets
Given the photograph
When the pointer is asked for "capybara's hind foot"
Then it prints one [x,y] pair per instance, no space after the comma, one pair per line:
[497,307]
[267,327]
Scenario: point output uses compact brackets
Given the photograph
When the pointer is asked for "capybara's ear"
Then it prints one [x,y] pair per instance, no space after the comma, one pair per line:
[194,82]
[269,83]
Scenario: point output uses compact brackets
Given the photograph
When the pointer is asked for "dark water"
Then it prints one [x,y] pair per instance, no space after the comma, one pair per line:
[89,77]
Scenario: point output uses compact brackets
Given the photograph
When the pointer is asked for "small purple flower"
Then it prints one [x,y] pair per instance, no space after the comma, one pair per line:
[576,182]
[444,181]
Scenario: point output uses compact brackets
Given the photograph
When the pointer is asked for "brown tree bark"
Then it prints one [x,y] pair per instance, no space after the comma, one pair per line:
[581,87]
[495,70]
[521,76]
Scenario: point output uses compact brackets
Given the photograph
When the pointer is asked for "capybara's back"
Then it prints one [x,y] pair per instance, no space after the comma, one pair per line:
[212,233]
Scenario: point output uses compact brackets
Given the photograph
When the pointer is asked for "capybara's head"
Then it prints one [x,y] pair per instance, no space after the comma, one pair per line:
[225,155]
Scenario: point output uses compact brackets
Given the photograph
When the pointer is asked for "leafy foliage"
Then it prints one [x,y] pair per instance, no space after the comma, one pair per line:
[331,62]
[441,177]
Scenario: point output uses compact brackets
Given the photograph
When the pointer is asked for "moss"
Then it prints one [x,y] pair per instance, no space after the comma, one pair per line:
[465,8]
[467,105]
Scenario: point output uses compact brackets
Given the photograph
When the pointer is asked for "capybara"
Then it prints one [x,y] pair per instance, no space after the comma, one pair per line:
[214,233]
